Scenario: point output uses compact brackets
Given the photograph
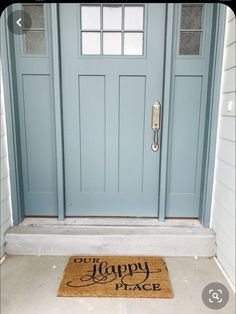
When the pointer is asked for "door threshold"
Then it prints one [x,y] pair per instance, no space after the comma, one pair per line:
[110,221]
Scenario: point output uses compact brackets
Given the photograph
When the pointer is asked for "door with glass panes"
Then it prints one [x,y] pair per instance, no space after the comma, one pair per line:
[112,73]
[96,74]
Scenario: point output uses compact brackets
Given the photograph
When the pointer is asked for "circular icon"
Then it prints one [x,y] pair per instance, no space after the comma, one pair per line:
[19,22]
[215,295]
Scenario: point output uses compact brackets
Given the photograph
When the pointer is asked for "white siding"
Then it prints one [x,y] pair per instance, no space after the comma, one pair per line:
[5,199]
[223,211]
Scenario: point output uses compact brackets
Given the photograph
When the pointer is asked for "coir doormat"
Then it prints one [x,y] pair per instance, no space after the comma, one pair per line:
[116,276]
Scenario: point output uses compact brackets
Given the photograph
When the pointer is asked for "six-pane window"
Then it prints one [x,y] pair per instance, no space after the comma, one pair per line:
[112,29]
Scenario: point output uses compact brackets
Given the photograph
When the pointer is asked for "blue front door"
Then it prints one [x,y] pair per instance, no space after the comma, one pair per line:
[112,60]
[109,74]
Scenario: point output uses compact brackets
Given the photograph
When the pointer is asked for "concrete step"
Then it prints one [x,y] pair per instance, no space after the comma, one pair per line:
[110,240]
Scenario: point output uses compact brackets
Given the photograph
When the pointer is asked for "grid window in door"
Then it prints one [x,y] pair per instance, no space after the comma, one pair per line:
[34,39]
[112,30]
[191,29]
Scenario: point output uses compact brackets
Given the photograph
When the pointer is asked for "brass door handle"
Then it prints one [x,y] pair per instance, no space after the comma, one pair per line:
[156,108]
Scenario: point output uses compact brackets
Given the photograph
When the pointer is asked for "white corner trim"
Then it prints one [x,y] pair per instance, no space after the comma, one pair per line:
[2,101]
[218,129]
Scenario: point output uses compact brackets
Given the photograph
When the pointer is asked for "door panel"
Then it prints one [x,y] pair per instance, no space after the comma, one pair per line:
[186,88]
[38,116]
[131,133]
[188,108]
[35,102]
[92,133]
[185,139]
[110,168]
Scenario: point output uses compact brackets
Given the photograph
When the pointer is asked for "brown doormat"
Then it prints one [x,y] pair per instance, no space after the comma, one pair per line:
[116,276]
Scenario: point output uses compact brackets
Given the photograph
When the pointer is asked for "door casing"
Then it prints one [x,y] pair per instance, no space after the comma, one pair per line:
[12,120]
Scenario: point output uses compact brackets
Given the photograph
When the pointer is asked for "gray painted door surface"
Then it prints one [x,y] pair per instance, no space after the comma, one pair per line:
[189,110]
[107,98]
[111,72]
[34,98]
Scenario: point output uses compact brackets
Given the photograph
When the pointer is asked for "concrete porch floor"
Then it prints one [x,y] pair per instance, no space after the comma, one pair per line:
[29,285]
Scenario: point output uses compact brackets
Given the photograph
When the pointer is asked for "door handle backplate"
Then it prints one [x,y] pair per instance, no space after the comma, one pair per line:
[156,111]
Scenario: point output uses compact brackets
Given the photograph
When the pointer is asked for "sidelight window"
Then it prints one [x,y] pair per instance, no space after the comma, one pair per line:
[34,41]
[191,29]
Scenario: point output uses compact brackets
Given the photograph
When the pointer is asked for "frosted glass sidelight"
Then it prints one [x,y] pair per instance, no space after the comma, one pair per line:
[190,43]
[90,17]
[111,43]
[35,42]
[112,18]
[36,14]
[191,17]
[133,18]
[133,43]
[91,43]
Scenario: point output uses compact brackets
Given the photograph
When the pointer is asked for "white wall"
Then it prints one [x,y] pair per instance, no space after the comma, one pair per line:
[223,205]
[5,198]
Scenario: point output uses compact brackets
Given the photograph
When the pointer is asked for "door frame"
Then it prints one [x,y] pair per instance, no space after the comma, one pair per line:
[12,123]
